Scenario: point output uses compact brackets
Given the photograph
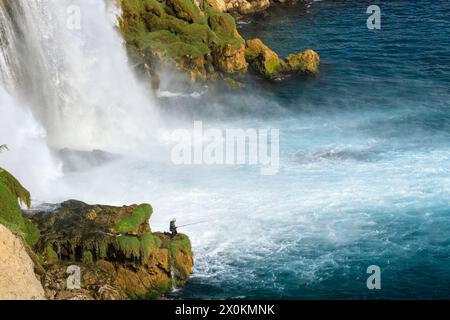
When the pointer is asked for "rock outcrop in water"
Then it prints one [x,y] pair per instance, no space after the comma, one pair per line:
[266,62]
[114,249]
[199,38]
[118,254]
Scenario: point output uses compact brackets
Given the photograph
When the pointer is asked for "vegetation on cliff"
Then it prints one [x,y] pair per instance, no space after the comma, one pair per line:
[119,256]
[139,216]
[114,244]
[198,38]
[12,193]
[192,36]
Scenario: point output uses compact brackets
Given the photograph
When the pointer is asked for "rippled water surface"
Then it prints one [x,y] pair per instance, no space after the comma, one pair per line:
[365,176]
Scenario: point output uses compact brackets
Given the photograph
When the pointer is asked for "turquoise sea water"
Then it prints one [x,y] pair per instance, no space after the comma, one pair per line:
[365,168]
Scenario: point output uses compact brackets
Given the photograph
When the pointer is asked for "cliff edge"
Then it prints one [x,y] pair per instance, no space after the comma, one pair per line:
[17,278]
[78,251]
[117,254]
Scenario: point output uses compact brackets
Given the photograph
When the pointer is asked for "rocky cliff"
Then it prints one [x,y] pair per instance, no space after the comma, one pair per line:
[200,38]
[110,252]
[17,278]
[119,256]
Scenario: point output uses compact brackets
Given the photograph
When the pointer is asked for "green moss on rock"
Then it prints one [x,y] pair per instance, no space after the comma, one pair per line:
[149,245]
[183,33]
[263,60]
[130,246]
[88,258]
[14,186]
[179,244]
[11,193]
[32,233]
[132,223]
[49,255]
[138,263]
[304,62]
[180,252]
[187,10]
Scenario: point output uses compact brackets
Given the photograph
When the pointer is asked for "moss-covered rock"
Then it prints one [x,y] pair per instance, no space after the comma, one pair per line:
[133,222]
[186,10]
[304,62]
[117,240]
[12,193]
[179,249]
[263,60]
[190,35]
[200,39]
[268,64]
[49,256]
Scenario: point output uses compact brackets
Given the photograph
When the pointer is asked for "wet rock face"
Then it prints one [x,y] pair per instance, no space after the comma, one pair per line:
[118,254]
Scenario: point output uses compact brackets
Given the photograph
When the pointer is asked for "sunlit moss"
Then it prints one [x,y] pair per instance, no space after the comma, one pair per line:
[181,32]
[11,193]
[149,244]
[139,216]
[130,246]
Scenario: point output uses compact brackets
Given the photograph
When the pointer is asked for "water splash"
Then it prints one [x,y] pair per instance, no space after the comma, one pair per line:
[172,277]
[28,157]
[76,80]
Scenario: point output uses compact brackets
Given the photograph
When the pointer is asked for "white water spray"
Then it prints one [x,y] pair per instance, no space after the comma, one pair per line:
[75,78]
[28,157]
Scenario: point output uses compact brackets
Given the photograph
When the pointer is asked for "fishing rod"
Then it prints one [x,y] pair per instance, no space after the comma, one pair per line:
[191,224]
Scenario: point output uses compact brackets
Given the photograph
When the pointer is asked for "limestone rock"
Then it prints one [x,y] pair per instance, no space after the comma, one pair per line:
[230,58]
[17,278]
[263,60]
[304,62]
[243,7]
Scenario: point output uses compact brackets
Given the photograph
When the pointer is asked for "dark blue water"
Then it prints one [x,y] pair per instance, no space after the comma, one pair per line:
[365,177]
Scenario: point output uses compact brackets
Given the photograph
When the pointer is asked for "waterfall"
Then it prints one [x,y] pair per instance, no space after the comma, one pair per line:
[66,59]
[172,277]
[7,57]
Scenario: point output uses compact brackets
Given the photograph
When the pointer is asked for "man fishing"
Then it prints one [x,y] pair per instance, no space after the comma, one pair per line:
[173,227]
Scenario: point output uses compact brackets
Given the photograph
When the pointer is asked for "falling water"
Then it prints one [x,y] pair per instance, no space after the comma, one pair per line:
[65,82]
[172,277]
[7,57]
[67,60]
